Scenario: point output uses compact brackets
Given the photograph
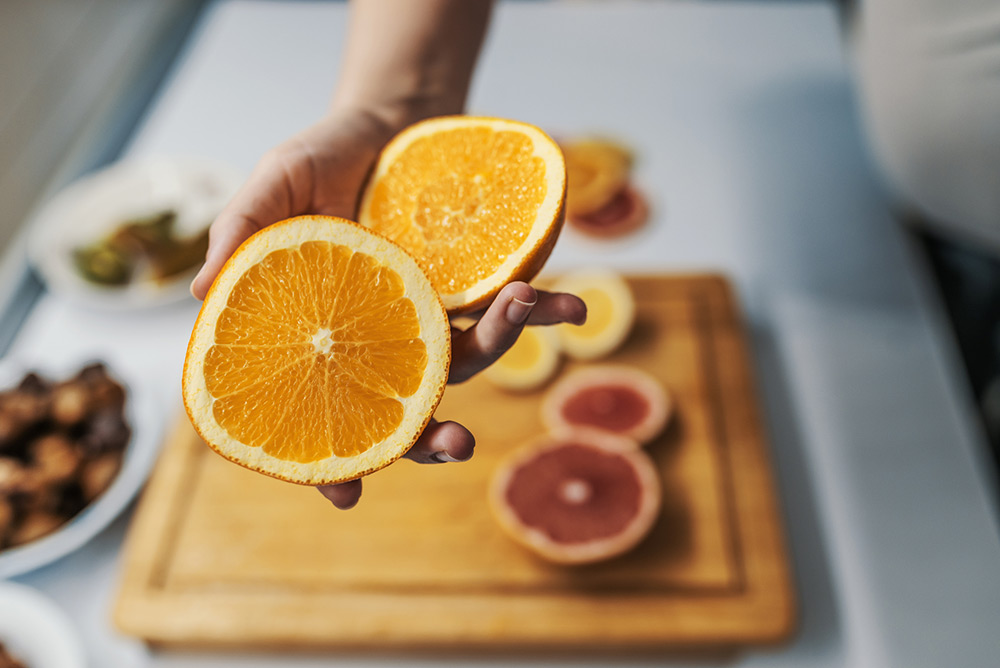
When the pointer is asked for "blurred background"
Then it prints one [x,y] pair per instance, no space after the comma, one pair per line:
[832,159]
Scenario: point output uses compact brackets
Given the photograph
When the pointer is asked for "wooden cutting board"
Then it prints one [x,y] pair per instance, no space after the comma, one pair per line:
[218,555]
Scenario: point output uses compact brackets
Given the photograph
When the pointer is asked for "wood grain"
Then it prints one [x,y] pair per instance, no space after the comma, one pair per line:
[218,555]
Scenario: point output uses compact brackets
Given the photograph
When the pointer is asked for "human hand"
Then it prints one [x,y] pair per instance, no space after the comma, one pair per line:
[322,171]
[474,349]
[319,171]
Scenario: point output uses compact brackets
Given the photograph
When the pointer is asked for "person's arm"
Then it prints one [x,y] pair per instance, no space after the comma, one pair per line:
[405,60]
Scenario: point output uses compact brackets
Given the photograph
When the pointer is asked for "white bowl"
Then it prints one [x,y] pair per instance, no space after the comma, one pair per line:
[92,207]
[35,631]
[142,411]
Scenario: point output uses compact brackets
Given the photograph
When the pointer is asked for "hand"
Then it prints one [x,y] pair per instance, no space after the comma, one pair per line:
[322,170]
[474,349]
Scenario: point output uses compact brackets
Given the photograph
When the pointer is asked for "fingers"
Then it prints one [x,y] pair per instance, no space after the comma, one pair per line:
[517,305]
[554,308]
[443,442]
[440,442]
[345,495]
[480,345]
[278,188]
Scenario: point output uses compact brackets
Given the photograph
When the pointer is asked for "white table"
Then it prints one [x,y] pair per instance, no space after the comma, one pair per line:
[743,115]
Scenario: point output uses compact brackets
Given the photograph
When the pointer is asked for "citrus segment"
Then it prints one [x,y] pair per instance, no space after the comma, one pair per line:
[529,363]
[478,202]
[610,313]
[319,354]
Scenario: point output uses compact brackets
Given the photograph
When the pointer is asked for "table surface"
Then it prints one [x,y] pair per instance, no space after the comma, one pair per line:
[744,119]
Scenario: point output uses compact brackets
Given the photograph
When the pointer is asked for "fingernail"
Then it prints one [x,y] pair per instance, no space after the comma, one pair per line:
[191,287]
[444,458]
[518,311]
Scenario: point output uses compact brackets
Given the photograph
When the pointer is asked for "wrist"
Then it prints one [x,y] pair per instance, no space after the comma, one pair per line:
[392,115]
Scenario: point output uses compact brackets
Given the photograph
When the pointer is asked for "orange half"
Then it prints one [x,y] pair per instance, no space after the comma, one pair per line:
[319,354]
[478,201]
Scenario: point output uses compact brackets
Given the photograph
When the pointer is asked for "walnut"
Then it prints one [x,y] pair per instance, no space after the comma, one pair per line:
[34,525]
[106,431]
[10,429]
[8,661]
[6,517]
[70,403]
[98,474]
[13,475]
[55,459]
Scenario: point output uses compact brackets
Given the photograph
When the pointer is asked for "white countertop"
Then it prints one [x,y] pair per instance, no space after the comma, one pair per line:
[744,120]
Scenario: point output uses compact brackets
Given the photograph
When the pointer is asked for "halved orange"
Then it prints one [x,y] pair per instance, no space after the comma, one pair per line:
[478,201]
[319,355]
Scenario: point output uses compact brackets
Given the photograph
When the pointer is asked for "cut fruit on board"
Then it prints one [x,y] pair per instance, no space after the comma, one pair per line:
[610,313]
[530,363]
[319,354]
[478,201]
[626,212]
[578,498]
[614,398]
[596,171]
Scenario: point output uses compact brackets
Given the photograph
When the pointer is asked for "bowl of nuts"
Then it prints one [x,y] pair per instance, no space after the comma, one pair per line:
[75,446]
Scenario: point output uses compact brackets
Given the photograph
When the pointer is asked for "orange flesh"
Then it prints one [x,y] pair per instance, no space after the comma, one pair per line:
[461,201]
[323,337]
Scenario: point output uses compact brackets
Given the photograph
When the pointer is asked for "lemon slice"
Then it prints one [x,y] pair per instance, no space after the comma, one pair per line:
[610,313]
[530,362]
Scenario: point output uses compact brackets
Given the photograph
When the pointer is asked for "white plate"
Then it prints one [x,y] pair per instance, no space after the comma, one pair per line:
[35,631]
[88,209]
[142,411]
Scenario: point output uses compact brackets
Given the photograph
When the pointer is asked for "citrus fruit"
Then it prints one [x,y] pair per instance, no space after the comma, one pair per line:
[596,171]
[529,363]
[618,399]
[319,355]
[626,212]
[610,313]
[478,201]
[577,498]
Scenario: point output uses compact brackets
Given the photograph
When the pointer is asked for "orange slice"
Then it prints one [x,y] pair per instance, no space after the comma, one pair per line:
[319,355]
[478,201]
[596,171]
[610,313]
[577,498]
[529,363]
